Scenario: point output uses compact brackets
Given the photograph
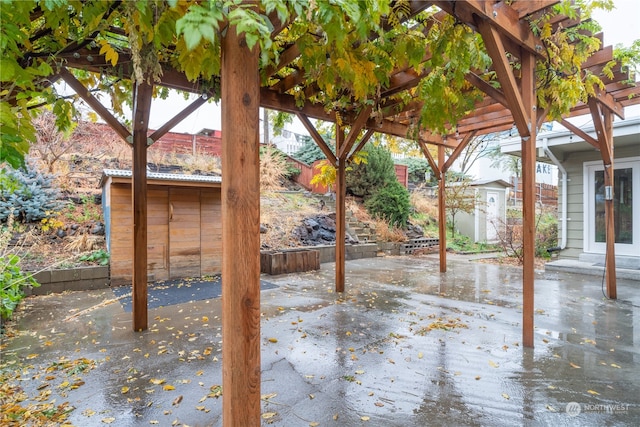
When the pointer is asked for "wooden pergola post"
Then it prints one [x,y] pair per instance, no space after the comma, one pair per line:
[609,212]
[341,194]
[240,232]
[442,212]
[528,147]
[603,121]
[141,110]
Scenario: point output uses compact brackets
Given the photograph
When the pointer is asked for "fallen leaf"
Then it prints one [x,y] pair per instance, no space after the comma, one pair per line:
[268,396]
[156,381]
[124,390]
[365,418]
[177,400]
[273,340]
[573,365]
[108,420]
[493,364]
[615,366]
[154,422]
[313,424]
[168,387]
[477,377]
[506,396]
[595,393]
[268,415]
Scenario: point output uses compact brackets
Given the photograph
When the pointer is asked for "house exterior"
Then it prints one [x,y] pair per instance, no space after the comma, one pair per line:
[490,212]
[582,192]
[184,225]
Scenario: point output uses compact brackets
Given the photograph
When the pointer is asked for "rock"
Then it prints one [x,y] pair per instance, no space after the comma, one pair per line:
[61,233]
[98,229]
[263,229]
[414,231]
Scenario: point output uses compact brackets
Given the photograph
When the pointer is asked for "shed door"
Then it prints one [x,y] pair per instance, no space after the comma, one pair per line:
[184,232]
[492,215]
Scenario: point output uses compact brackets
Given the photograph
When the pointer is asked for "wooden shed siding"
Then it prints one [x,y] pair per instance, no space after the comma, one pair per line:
[188,244]
[211,231]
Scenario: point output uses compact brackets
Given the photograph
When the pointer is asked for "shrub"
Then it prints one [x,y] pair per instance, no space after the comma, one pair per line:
[365,178]
[27,195]
[12,279]
[390,202]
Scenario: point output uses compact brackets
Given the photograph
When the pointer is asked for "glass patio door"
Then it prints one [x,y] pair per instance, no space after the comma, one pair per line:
[626,193]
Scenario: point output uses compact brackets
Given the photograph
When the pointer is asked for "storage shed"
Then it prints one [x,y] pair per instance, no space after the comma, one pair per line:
[490,213]
[184,225]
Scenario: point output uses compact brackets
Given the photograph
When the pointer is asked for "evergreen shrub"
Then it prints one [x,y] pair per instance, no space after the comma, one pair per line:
[27,195]
[391,203]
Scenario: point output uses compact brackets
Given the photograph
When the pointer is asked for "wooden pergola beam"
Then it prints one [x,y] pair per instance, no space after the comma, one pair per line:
[363,141]
[352,136]
[159,133]
[495,48]
[96,105]
[456,153]
[579,132]
[317,138]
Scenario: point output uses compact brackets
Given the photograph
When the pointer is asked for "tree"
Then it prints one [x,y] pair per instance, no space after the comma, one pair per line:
[458,197]
[365,178]
[345,58]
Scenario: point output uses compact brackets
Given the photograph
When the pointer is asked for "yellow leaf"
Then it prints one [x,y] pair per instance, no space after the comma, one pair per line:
[268,415]
[153,422]
[506,396]
[156,381]
[32,356]
[365,418]
[615,366]
[268,396]
[595,393]
[313,424]
[108,420]
[573,365]
[420,355]
[273,340]
[168,387]
[359,372]
[205,319]
[493,364]
[200,408]
[124,390]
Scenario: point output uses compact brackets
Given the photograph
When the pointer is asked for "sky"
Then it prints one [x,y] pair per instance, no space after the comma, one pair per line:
[620,25]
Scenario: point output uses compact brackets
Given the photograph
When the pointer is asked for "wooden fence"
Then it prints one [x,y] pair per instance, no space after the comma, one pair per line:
[546,194]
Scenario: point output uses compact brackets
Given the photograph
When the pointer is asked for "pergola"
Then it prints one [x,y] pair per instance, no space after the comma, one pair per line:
[506,33]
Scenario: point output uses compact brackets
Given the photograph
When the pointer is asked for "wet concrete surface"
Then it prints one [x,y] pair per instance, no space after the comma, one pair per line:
[405,346]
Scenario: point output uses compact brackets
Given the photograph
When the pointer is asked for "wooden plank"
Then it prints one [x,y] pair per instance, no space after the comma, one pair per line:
[609,209]
[96,105]
[442,213]
[240,95]
[528,147]
[495,48]
[141,110]
[341,194]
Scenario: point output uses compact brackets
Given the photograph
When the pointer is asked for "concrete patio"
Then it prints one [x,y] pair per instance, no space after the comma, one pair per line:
[404,346]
